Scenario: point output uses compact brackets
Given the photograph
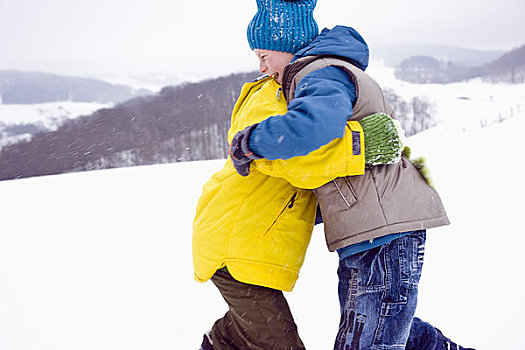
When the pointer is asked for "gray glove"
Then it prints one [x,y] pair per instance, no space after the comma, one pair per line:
[240,152]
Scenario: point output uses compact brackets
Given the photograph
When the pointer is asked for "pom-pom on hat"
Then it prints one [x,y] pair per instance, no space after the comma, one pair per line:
[282,25]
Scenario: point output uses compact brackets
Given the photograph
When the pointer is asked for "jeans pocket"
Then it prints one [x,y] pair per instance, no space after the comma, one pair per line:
[403,259]
[418,240]
[391,309]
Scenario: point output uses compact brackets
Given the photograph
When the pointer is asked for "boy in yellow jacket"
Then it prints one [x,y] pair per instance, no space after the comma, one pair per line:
[250,236]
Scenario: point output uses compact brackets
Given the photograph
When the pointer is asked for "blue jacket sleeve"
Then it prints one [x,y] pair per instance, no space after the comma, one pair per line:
[317,115]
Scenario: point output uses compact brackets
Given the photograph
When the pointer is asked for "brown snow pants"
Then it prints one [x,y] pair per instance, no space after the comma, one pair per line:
[258,318]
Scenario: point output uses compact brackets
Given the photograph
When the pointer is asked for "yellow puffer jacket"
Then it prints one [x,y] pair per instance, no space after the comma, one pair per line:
[258,226]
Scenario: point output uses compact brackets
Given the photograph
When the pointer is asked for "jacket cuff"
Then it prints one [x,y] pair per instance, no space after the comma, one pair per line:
[245,143]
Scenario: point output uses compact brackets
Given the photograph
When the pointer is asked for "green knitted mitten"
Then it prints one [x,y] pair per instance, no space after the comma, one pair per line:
[382,140]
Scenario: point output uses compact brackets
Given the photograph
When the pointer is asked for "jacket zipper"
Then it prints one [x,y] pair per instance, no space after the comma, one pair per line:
[288,205]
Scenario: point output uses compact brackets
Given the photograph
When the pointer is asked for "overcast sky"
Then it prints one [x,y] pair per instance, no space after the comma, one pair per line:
[117,37]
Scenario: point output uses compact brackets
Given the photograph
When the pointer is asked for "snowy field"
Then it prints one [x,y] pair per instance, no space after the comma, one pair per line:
[102,260]
[47,113]
[47,116]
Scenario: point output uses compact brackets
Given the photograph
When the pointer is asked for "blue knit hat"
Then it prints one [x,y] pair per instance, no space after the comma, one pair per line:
[282,25]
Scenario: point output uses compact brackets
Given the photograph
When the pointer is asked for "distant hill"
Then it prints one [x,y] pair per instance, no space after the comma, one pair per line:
[393,55]
[185,122]
[36,87]
[427,69]
[181,123]
[508,67]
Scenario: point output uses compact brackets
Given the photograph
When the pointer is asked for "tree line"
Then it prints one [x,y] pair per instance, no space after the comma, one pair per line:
[181,123]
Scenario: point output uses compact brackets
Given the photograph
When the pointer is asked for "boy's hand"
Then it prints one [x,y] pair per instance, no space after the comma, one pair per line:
[383,139]
[240,152]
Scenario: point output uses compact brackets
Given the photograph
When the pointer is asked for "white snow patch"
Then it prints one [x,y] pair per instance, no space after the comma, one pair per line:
[47,113]
[102,259]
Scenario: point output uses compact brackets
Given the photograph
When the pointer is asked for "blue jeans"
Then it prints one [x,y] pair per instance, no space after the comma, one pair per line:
[378,296]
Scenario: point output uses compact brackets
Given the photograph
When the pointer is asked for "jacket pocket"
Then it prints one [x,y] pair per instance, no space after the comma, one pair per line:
[284,209]
[336,196]
[345,191]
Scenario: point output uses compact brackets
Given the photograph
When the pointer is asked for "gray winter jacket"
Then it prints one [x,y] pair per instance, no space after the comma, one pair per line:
[387,198]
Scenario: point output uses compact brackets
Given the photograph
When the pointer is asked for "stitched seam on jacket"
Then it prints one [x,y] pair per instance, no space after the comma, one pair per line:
[379,199]
[241,260]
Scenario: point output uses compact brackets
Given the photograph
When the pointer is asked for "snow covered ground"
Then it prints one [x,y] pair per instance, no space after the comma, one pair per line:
[461,106]
[47,113]
[47,116]
[102,260]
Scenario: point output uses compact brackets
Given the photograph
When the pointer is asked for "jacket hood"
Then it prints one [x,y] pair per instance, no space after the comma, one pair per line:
[340,41]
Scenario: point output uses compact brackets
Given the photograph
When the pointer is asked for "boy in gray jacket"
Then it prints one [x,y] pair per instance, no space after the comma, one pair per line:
[377,221]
